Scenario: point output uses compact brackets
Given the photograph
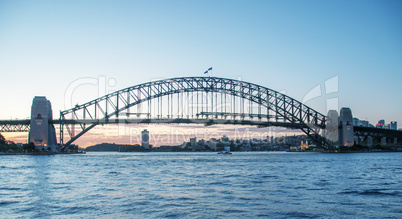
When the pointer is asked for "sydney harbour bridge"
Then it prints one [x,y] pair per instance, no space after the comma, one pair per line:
[186,100]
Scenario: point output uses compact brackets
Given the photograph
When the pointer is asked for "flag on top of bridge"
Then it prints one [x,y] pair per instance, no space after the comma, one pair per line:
[207,71]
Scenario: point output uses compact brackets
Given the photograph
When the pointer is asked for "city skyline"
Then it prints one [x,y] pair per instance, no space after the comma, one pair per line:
[74,52]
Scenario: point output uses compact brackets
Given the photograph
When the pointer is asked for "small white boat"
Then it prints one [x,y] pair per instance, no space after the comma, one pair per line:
[224,152]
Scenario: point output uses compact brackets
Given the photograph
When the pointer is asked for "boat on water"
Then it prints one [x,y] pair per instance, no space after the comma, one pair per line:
[224,152]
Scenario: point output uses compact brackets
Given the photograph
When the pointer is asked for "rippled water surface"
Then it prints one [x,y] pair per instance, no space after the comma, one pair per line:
[201,185]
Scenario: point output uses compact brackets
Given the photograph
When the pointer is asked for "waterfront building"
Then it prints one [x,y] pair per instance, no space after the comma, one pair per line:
[304,145]
[145,139]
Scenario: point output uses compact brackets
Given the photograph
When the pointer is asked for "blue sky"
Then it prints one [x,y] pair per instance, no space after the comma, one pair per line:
[289,46]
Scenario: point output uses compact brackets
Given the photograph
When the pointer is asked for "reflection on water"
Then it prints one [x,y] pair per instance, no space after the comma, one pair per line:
[201,185]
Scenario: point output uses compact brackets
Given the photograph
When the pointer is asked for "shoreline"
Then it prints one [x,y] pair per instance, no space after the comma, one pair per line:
[61,153]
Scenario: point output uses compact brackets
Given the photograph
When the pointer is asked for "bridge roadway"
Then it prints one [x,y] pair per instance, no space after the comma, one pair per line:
[15,125]
[376,132]
[24,125]
[206,122]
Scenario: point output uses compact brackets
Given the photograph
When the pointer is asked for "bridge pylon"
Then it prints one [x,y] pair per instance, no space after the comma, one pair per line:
[42,133]
[346,132]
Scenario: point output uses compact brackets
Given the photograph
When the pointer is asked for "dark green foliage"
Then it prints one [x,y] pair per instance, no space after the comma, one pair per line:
[2,139]
[29,147]
[354,148]
[116,147]
[7,146]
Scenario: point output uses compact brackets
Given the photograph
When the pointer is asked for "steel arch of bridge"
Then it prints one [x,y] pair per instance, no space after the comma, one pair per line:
[273,108]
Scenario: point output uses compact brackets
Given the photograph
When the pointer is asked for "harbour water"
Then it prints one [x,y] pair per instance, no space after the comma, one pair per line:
[202,185]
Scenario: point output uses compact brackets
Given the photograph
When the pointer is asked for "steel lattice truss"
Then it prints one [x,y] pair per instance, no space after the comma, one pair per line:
[207,100]
[15,125]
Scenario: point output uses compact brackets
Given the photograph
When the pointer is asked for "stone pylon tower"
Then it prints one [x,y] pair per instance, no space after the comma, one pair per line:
[42,133]
[346,127]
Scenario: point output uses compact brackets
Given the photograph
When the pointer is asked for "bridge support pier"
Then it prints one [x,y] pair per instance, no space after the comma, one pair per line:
[42,133]
[369,141]
[383,141]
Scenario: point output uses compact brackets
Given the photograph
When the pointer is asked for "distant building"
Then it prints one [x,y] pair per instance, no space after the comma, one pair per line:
[332,132]
[364,123]
[394,125]
[202,142]
[225,140]
[380,126]
[381,122]
[145,139]
[193,141]
[293,148]
[304,145]
[387,126]
[212,144]
[270,139]
[356,122]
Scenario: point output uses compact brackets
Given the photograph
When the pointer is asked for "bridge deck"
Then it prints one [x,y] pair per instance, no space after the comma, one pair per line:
[182,121]
[15,122]
[15,125]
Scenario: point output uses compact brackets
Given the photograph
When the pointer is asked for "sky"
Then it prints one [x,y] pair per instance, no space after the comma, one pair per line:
[317,52]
